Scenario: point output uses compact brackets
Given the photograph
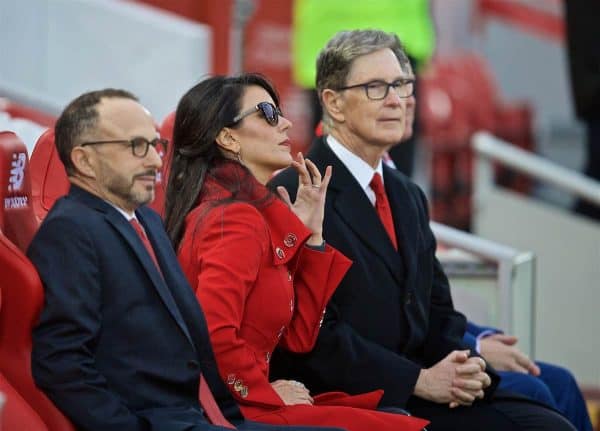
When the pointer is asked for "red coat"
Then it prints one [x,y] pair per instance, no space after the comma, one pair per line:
[260,287]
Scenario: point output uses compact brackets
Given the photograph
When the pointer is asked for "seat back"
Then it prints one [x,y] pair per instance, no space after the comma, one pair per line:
[22,299]
[48,177]
[166,131]
[16,413]
[18,221]
[50,182]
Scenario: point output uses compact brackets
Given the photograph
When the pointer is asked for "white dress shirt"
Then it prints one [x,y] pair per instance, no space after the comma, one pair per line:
[361,170]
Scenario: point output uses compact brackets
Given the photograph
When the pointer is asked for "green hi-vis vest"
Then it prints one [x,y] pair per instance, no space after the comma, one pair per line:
[316,21]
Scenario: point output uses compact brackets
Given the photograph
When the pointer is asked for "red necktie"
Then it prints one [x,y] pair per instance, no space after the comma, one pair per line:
[207,400]
[210,406]
[382,206]
[140,231]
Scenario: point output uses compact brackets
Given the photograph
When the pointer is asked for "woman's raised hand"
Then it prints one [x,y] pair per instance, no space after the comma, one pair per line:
[292,392]
[310,198]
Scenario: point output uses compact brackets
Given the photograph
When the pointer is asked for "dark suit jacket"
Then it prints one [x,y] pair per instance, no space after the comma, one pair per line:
[118,346]
[392,314]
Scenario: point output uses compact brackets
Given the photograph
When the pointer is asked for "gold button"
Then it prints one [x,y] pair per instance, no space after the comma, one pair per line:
[290,240]
[230,379]
[280,253]
[244,392]
[237,386]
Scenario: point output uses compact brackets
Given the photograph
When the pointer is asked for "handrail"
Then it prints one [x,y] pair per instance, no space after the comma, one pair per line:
[507,258]
[535,166]
[481,247]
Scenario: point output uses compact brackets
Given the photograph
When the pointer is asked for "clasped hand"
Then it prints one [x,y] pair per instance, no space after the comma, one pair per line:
[310,198]
[457,380]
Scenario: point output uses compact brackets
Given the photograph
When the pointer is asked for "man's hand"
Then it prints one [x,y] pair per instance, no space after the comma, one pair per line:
[500,351]
[471,379]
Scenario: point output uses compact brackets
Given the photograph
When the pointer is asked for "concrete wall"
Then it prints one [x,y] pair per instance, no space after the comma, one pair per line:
[53,50]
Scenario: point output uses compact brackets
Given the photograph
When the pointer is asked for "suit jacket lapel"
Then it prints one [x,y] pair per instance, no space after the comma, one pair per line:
[158,280]
[131,238]
[403,208]
[351,204]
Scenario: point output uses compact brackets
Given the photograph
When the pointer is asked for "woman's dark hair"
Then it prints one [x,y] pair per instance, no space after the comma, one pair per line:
[201,114]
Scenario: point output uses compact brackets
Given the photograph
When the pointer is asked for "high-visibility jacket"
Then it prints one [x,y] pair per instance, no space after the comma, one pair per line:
[316,21]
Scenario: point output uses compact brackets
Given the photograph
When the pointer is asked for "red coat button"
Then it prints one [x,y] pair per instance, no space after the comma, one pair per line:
[290,240]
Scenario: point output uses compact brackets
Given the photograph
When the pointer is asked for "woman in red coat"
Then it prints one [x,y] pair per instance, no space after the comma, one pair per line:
[258,263]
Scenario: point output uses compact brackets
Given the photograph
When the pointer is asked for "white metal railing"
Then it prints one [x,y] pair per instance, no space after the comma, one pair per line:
[508,260]
[493,148]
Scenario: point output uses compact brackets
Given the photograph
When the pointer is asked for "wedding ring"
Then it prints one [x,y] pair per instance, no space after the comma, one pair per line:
[295,383]
[316,186]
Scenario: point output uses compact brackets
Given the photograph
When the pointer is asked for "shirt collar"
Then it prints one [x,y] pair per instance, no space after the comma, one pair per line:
[361,170]
[121,211]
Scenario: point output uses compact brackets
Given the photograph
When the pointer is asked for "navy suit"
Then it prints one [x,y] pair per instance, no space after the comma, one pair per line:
[392,314]
[120,344]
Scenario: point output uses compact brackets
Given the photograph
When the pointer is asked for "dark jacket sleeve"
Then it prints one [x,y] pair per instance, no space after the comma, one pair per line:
[63,341]
[447,327]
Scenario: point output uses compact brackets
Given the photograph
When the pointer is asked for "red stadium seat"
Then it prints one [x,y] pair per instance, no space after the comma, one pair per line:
[22,299]
[17,414]
[48,177]
[17,220]
[166,131]
[50,182]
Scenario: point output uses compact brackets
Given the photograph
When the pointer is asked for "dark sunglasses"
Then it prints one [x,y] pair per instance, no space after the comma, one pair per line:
[139,145]
[268,110]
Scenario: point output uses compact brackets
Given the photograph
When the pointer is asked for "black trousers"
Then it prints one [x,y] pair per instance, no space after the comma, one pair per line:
[508,414]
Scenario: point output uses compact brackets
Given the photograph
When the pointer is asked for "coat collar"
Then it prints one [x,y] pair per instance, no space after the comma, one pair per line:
[287,232]
[124,228]
[352,205]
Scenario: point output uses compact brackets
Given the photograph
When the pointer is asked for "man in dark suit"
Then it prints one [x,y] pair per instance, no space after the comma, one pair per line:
[391,323]
[122,342]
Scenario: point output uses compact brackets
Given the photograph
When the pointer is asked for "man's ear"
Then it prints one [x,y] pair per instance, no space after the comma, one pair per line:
[333,103]
[226,141]
[83,161]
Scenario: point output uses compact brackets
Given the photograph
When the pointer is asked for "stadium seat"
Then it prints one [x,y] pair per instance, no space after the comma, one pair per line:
[166,131]
[48,177]
[16,413]
[22,299]
[17,219]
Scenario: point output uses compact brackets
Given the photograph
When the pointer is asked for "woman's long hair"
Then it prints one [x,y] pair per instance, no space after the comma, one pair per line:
[201,114]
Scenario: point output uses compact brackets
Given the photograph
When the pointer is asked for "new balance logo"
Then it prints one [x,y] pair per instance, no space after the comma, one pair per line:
[17,172]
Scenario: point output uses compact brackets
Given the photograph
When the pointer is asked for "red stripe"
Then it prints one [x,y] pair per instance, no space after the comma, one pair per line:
[528,18]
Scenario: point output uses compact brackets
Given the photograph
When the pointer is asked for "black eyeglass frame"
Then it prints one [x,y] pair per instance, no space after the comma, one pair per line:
[272,120]
[396,84]
[133,144]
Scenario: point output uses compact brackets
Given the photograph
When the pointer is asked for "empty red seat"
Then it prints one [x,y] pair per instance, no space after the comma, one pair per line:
[18,221]
[22,300]
[48,177]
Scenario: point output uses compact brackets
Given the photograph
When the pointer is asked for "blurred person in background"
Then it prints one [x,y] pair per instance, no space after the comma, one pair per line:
[550,384]
[583,49]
